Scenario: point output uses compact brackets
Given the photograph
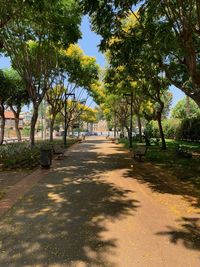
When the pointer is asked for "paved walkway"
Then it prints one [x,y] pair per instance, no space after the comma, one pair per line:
[93,209]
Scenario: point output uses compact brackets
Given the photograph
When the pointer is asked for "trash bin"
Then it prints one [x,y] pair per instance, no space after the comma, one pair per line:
[45,157]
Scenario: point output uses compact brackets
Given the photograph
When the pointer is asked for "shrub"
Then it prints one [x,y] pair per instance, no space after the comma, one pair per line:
[23,155]
[152,130]
[189,129]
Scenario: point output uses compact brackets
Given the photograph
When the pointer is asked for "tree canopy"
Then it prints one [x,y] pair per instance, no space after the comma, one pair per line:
[185,108]
[164,33]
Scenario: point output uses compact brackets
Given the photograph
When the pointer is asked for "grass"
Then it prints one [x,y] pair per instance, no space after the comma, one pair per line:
[185,170]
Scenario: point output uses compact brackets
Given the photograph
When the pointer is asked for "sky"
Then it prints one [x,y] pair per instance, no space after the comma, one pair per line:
[89,43]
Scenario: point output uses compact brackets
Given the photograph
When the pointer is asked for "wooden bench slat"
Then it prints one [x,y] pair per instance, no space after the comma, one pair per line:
[139,152]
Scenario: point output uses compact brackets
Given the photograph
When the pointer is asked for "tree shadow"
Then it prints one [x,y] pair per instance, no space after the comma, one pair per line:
[188,234]
[63,219]
[159,180]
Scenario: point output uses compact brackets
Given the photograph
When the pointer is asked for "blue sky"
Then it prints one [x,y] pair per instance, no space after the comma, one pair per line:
[89,43]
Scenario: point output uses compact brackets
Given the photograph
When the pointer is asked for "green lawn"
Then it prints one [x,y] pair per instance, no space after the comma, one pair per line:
[186,170]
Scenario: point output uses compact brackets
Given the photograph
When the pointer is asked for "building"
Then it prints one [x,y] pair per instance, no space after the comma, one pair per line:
[26,117]
[101,126]
[10,120]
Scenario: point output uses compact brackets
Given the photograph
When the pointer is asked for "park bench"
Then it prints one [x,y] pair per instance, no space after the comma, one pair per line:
[113,139]
[59,151]
[155,141]
[183,152]
[81,138]
[139,151]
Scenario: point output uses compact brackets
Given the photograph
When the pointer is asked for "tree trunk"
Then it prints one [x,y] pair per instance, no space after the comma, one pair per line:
[3,121]
[18,133]
[17,130]
[139,127]
[128,131]
[162,136]
[115,124]
[51,128]
[2,128]
[33,123]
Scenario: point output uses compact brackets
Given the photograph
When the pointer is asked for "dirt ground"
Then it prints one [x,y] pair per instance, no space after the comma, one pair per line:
[99,208]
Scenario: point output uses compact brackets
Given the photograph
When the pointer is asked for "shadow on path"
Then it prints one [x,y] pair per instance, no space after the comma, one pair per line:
[188,233]
[62,220]
[161,181]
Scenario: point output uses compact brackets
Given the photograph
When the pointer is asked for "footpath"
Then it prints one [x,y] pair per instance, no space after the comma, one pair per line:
[95,208]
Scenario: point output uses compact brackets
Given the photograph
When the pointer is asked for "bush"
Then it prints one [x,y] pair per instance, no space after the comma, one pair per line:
[23,155]
[25,131]
[189,129]
[170,128]
[18,154]
[152,130]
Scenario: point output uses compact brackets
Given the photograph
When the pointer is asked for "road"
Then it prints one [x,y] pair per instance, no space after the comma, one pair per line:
[95,209]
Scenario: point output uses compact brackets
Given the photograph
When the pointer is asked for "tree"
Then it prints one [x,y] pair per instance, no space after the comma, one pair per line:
[175,35]
[12,9]
[81,73]
[33,41]
[170,28]
[18,96]
[184,110]
[9,11]
[74,110]
[160,101]
[140,65]
[118,80]
[89,115]
[55,98]
[79,69]
[4,95]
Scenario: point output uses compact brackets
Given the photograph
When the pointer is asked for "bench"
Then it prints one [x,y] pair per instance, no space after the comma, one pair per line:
[155,141]
[113,139]
[81,138]
[59,151]
[139,152]
[183,152]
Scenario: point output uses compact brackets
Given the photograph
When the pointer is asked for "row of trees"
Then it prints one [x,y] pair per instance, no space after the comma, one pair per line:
[183,123]
[150,45]
[14,95]
[39,37]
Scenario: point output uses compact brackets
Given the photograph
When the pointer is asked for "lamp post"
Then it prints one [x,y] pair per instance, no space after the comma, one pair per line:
[83,101]
[65,131]
[131,121]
